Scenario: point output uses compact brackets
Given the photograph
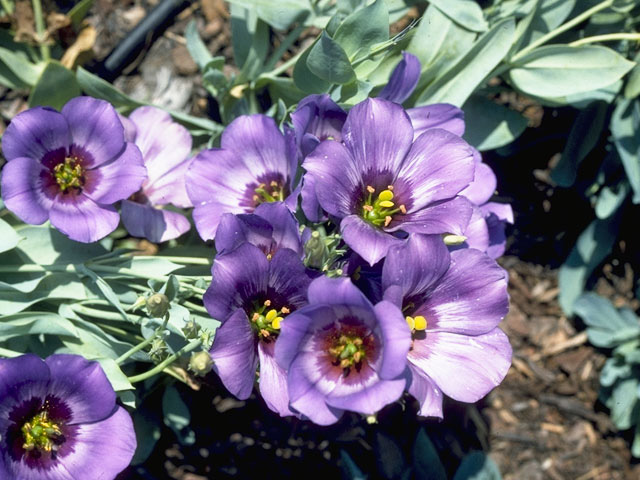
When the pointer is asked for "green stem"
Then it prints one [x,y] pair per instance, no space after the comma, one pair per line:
[194,306]
[563,28]
[39,18]
[5,352]
[128,336]
[285,65]
[609,37]
[291,37]
[181,260]
[143,344]
[94,312]
[168,361]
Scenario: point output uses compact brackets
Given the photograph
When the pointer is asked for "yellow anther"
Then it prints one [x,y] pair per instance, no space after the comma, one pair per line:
[273,183]
[386,195]
[386,204]
[276,323]
[420,323]
[271,315]
[387,220]
[267,303]
[410,322]
[255,317]
[389,187]
[285,310]
[357,342]
[265,333]
[403,209]
[345,363]
[370,189]
[269,256]
[368,208]
[357,356]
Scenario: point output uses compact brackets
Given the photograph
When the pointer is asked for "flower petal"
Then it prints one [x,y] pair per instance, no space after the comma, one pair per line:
[335,176]
[378,134]
[234,354]
[81,219]
[34,133]
[371,243]
[285,226]
[366,395]
[426,392]
[273,381]
[234,230]
[83,386]
[155,225]
[95,127]
[317,118]
[396,340]
[438,115]
[170,187]
[403,80]
[309,200]
[116,180]
[28,190]
[466,368]
[337,291]
[439,165]
[477,233]
[25,369]
[471,298]
[483,185]
[450,216]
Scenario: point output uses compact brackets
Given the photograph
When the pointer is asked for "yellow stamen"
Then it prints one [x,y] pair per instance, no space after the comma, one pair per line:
[386,204]
[370,189]
[276,323]
[271,315]
[368,208]
[267,303]
[420,323]
[386,195]
[273,183]
[410,322]
[402,209]
[285,310]
[255,317]
[387,220]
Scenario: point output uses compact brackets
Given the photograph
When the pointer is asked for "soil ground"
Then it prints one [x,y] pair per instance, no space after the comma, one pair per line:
[543,422]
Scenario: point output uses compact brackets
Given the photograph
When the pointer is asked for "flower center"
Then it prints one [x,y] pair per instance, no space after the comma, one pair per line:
[348,350]
[274,192]
[69,174]
[379,211]
[41,433]
[417,323]
[266,321]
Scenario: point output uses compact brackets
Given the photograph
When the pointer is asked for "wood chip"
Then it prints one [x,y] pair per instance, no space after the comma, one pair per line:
[552,427]
[556,348]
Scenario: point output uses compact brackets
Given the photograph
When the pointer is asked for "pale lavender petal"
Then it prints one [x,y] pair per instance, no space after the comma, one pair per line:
[83,386]
[477,233]
[336,291]
[273,381]
[295,328]
[28,190]
[438,166]
[336,177]
[378,134]
[426,392]
[416,265]
[144,221]
[503,211]
[483,185]
[34,133]
[130,131]
[366,395]
[103,448]
[438,115]
[450,216]
[403,80]
[396,338]
[234,354]
[164,143]
[466,368]
[81,219]
[170,188]
[95,127]
[370,242]
[471,298]
[116,180]
[497,215]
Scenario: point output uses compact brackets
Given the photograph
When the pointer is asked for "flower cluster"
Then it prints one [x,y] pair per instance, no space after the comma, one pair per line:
[59,420]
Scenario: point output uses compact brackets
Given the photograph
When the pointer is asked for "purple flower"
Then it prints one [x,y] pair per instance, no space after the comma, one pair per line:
[59,420]
[453,304]
[317,118]
[272,226]
[403,80]
[256,164]
[252,296]
[342,353]
[165,147]
[381,181]
[69,167]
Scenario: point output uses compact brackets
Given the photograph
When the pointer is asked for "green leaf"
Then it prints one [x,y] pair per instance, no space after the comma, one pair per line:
[467,13]
[614,368]
[624,126]
[549,15]
[97,87]
[281,14]
[92,342]
[477,466]
[607,328]
[177,416]
[349,467]
[426,462]
[635,447]
[558,70]
[104,288]
[363,29]
[35,323]
[592,247]
[55,87]
[585,133]
[624,404]
[197,49]
[632,88]
[25,71]
[147,428]
[8,237]
[459,82]
[61,286]
[610,199]
[118,380]
[490,125]
[388,456]
[79,11]
[328,61]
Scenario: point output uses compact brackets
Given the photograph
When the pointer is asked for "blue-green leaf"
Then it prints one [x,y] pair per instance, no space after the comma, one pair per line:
[466,13]
[625,124]
[477,466]
[607,328]
[426,462]
[8,237]
[328,61]
[363,29]
[490,125]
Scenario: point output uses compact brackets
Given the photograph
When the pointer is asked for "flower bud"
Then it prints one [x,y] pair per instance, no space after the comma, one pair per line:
[200,363]
[158,305]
